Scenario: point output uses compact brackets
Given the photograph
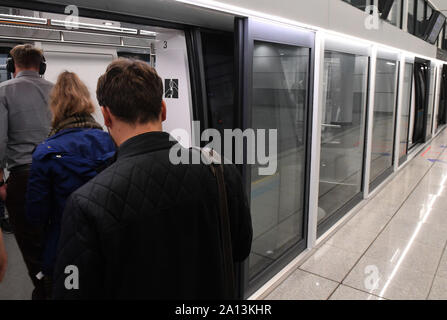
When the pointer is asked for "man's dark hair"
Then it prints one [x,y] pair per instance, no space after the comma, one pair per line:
[27,56]
[132,90]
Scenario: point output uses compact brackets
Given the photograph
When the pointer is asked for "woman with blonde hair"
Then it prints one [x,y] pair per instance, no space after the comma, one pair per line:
[75,152]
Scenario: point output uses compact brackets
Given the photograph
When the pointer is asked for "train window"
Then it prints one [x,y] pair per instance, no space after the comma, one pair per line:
[384,112]
[405,113]
[342,131]
[280,89]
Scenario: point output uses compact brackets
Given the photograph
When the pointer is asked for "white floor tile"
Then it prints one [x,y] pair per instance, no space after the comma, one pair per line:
[439,289]
[302,285]
[331,262]
[389,281]
[347,293]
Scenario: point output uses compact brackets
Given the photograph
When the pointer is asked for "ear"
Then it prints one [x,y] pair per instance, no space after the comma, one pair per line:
[107,116]
[163,111]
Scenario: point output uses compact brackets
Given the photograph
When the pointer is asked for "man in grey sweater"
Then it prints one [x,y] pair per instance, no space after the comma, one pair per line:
[25,121]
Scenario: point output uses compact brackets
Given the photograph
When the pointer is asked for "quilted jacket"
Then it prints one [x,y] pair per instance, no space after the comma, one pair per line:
[61,164]
[147,229]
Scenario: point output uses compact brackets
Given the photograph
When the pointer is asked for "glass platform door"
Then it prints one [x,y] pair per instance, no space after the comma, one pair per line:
[275,91]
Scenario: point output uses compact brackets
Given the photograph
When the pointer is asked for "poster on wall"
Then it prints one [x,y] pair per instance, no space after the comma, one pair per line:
[171,89]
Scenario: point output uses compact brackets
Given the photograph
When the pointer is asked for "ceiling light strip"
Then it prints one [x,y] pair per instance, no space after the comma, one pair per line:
[239,11]
[88,26]
[15,18]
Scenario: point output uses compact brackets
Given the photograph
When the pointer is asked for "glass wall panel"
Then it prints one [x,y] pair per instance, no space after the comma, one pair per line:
[361,4]
[444,42]
[413,113]
[431,101]
[3,73]
[411,18]
[405,113]
[442,114]
[218,61]
[280,95]
[384,111]
[420,18]
[396,13]
[442,97]
[342,130]
[421,90]
[429,12]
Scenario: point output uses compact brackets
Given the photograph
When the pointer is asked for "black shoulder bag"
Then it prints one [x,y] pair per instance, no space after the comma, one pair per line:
[213,159]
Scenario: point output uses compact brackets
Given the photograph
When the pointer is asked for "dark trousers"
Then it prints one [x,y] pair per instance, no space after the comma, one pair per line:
[29,236]
[2,210]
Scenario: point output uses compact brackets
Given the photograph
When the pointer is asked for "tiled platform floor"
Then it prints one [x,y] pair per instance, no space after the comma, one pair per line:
[393,248]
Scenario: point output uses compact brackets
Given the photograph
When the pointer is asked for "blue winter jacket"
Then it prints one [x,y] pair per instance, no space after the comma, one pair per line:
[62,164]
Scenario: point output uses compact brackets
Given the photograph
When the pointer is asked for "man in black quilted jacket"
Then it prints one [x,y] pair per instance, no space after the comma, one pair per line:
[145,228]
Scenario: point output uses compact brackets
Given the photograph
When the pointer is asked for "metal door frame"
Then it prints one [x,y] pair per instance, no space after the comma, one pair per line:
[247,31]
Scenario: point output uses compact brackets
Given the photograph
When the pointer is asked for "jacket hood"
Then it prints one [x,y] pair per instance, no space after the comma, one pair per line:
[77,149]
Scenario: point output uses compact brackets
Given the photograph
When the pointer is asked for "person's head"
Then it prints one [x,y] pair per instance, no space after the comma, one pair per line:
[130,94]
[26,58]
[69,97]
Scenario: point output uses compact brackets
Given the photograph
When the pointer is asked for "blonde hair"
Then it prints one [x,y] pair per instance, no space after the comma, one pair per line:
[69,97]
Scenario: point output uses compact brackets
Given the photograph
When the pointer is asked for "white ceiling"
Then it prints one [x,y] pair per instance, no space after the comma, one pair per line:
[441,5]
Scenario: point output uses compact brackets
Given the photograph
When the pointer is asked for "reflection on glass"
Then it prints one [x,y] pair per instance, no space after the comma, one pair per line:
[361,4]
[280,89]
[405,114]
[429,12]
[384,110]
[218,60]
[421,95]
[420,19]
[410,26]
[442,114]
[395,13]
[342,130]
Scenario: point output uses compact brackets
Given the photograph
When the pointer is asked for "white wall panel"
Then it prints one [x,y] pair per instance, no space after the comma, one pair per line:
[172,63]
[89,63]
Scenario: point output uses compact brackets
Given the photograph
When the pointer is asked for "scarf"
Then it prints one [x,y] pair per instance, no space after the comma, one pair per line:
[76,121]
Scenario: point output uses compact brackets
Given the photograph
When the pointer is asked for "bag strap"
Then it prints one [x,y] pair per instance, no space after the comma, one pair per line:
[213,159]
